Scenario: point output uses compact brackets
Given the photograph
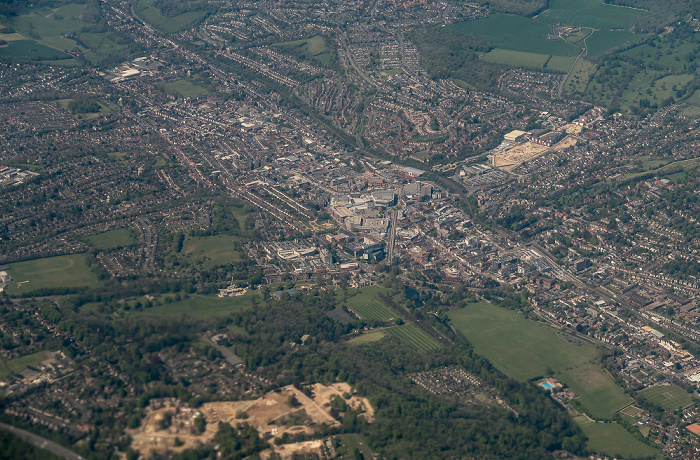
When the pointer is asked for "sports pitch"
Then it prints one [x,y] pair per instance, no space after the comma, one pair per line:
[669,397]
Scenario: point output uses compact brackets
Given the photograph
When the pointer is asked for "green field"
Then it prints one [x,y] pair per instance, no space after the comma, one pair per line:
[589,13]
[604,40]
[49,33]
[31,50]
[373,311]
[524,350]
[669,397]
[515,33]
[613,440]
[367,338]
[150,14]
[210,251]
[14,366]
[112,239]
[313,46]
[413,335]
[199,306]
[52,272]
[529,60]
[599,396]
[186,88]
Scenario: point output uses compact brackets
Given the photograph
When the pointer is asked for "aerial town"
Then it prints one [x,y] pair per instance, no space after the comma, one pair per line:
[291,229]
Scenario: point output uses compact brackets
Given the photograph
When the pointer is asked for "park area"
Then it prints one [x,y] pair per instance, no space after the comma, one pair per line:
[61,272]
[524,350]
[201,306]
[314,47]
[187,88]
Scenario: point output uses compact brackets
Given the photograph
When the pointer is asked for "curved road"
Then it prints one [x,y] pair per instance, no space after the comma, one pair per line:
[38,441]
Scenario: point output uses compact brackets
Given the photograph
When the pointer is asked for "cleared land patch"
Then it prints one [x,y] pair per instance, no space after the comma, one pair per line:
[286,410]
[367,338]
[50,273]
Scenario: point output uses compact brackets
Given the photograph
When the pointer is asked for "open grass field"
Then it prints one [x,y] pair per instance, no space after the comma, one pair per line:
[32,50]
[589,13]
[52,272]
[200,306]
[613,440]
[373,311]
[350,442]
[186,88]
[14,366]
[210,251]
[367,338]
[560,63]
[667,396]
[516,33]
[631,411]
[524,350]
[313,46]
[604,40]
[112,239]
[600,396]
[413,335]
[150,14]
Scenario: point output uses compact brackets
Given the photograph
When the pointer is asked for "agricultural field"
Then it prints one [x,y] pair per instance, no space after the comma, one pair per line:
[589,13]
[14,366]
[69,271]
[198,305]
[524,350]
[187,88]
[613,440]
[669,397]
[413,335]
[515,33]
[153,16]
[112,239]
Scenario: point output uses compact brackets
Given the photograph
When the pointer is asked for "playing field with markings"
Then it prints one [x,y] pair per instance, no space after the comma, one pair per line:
[669,397]
[414,336]
[373,311]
